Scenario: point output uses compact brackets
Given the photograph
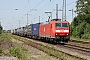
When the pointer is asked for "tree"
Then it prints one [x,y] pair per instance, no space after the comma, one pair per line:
[81,6]
[1,29]
[80,26]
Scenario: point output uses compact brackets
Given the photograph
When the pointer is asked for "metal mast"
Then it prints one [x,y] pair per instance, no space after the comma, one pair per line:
[0,23]
[56,11]
[64,10]
[39,19]
[27,19]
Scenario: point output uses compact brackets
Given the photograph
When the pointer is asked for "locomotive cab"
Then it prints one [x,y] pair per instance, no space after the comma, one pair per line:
[55,30]
[60,30]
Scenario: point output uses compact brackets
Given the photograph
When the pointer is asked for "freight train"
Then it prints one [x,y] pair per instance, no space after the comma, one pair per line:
[54,30]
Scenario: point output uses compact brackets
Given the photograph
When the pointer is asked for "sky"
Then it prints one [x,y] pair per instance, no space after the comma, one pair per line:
[11,18]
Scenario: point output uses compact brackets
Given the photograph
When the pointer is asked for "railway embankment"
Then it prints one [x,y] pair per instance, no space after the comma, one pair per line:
[14,49]
[21,48]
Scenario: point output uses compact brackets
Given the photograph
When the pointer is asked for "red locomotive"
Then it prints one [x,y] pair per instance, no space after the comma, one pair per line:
[56,30]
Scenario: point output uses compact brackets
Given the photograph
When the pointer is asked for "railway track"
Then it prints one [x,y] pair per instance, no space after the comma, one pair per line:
[51,53]
[50,49]
[78,51]
[77,41]
[69,49]
[81,44]
[78,48]
[37,45]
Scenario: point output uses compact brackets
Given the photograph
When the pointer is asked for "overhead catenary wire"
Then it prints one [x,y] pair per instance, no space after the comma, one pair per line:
[66,6]
[44,8]
[38,4]
[50,1]
[34,7]
[71,3]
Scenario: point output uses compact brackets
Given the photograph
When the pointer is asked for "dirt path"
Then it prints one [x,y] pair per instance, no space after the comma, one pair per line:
[8,58]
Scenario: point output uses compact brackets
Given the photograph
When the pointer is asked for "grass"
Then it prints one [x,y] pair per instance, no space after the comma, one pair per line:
[1,50]
[78,39]
[15,52]
[18,50]
[5,36]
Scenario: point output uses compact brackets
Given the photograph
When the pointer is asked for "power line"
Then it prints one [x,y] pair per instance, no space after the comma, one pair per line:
[50,1]
[35,6]
[38,4]
[45,7]
[71,3]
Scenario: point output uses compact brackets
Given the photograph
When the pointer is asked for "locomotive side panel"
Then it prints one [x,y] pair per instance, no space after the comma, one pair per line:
[41,30]
[45,30]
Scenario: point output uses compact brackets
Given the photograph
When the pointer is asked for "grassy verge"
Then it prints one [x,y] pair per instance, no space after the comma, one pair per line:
[78,39]
[5,36]
[17,50]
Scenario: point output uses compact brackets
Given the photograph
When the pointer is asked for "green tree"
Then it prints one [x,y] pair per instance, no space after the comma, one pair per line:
[82,6]
[83,10]
[1,29]
[80,26]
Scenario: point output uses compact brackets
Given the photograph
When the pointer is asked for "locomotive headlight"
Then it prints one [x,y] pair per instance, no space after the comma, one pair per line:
[67,34]
[66,30]
[56,34]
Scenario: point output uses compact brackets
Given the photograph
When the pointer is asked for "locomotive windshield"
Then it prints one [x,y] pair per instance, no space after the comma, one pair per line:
[59,25]
[64,25]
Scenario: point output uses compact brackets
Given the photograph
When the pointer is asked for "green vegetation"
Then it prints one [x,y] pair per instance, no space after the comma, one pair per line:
[80,26]
[1,29]
[1,50]
[5,36]
[80,39]
[16,50]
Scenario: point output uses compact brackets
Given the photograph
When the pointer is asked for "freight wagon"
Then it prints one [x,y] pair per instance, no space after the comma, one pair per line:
[25,31]
[29,31]
[35,30]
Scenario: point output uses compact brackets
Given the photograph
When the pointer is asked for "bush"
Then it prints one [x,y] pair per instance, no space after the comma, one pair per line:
[87,29]
[86,36]
[0,29]
[79,30]
[71,30]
